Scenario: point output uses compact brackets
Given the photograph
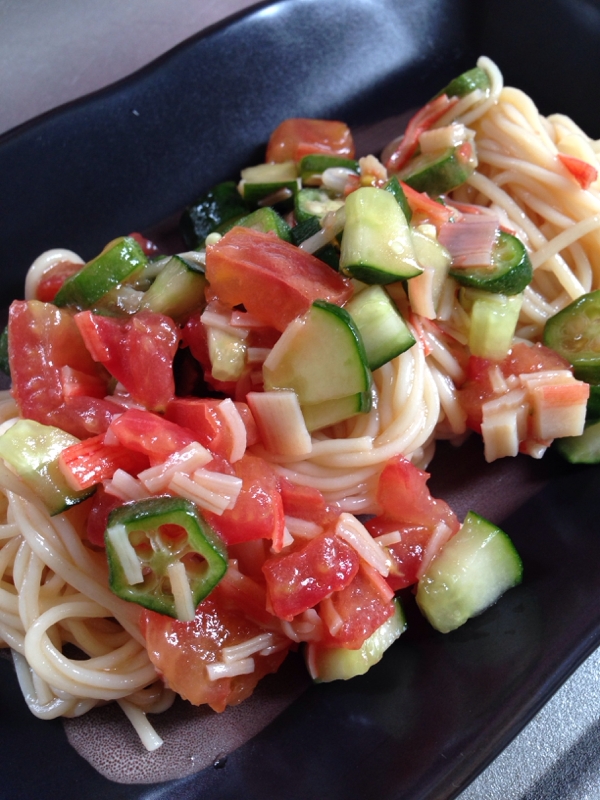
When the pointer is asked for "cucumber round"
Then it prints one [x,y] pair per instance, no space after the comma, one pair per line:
[510,273]
[471,572]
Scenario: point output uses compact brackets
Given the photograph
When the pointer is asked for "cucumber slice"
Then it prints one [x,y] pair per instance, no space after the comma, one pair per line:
[120,262]
[439,173]
[264,181]
[593,403]
[466,83]
[473,569]
[384,332]
[313,166]
[584,449]
[511,269]
[314,203]
[320,356]
[575,334]
[339,664]
[494,320]
[32,450]
[330,412]
[266,220]
[221,203]
[393,186]
[377,246]
[177,290]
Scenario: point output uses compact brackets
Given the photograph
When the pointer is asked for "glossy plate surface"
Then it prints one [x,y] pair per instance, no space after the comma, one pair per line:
[438,708]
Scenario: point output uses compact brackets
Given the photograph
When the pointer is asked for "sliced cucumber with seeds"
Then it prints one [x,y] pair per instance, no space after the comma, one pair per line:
[377,246]
[177,290]
[509,273]
[383,330]
[473,569]
[314,203]
[122,261]
[440,172]
[314,165]
[338,663]
[466,83]
[320,356]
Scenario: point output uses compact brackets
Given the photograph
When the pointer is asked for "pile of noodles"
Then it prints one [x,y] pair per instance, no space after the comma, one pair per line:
[53,588]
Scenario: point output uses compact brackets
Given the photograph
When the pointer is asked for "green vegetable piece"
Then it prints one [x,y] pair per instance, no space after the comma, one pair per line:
[575,334]
[440,172]
[313,166]
[120,262]
[338,663]
[311,203]
[178,289]
[474,568]
[510,272]
[270,184]
[383,330]
[466,83]
[320,356]
[494,320]
[266,220]
[377,245]
[330,412]
[32,450]
[593,403]
[4,360]
[221,203]
[584,449]
[145,539]
[393,186]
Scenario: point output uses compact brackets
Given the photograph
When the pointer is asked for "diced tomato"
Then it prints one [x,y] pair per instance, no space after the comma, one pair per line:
[246,593]
[306,502]
[150,434]
[403,496]
[585,174]
[102,504]
[407,554]
[81,384]
[91,461]
[524,358]
[258,510]
[274,280]
[298,137]
[420,122]
[53,279]
[299,580]
[362,607]
[45,349]
[181,651]
[203,416]
[138,351]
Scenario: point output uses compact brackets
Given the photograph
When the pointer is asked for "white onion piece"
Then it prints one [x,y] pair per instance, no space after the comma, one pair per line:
[42,264]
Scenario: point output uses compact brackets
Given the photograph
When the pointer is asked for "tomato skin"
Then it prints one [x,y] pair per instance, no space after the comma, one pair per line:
[362,609]
[180,651]
[274,280]
[297,137]
[258,511]
[102,504]
[45,350]
[150,434]
[299,580]
[204,418]
[138,351]
[407,554]
[306,502]
[404,497]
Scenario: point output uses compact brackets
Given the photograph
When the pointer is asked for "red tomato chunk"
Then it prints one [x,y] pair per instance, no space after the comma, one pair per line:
[298,137]
[274,280]
[298,581]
